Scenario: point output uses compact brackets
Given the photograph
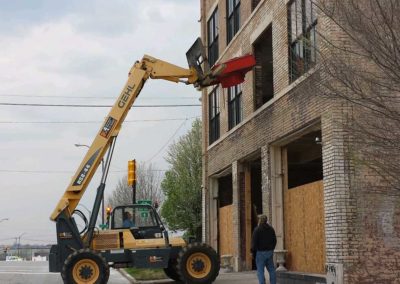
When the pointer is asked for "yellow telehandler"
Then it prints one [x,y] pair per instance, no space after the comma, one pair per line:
[86,256]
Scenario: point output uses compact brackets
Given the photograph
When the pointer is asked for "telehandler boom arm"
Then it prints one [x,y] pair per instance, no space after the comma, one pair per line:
[228,73]
[148,67]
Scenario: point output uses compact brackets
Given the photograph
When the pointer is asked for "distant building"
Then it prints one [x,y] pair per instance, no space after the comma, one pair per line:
[25,252]
[41,255]
[272,147]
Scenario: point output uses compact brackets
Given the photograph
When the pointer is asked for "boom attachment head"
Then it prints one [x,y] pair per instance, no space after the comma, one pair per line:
[196,57]
[228,74]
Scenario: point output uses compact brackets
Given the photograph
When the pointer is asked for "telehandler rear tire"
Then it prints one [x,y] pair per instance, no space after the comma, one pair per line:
[85,266]
[198,263]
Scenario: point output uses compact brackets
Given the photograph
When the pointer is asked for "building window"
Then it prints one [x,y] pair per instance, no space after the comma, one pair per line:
[264,71]
[233,18]
[213,101]
[302,37]
[212,31]
[235,111]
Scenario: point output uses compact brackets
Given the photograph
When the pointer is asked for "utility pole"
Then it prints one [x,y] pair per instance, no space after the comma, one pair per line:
[19,242]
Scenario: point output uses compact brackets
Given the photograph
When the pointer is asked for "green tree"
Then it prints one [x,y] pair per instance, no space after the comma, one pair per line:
[182,183]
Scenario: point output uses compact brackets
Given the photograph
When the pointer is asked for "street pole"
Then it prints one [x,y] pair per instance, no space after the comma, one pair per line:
[134,192]
[19,243]
[102,171]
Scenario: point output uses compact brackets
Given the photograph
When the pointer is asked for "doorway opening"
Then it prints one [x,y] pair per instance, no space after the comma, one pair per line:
[304,221]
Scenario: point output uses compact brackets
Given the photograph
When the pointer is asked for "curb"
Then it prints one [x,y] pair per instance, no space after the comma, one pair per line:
[131,279]
[156,281]
[127,276]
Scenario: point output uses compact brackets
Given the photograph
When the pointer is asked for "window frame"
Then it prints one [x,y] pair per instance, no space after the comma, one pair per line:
[214,111]
[235,106]
[302,23]
[232,19]
[212,37]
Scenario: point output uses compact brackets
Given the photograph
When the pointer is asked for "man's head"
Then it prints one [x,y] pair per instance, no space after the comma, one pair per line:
[262,219]
[127,215]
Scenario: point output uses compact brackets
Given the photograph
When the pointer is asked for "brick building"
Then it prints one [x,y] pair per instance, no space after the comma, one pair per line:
[271,146]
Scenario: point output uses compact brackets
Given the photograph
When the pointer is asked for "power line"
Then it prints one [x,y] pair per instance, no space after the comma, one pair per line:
[34,240]
[94,121]
[93,97]
[61,171]
[173,135]
[72,105]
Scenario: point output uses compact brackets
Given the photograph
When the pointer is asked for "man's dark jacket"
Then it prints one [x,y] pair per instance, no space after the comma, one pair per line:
[264,238]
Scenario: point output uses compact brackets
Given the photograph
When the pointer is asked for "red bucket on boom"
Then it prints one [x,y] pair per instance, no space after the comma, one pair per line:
[232,72]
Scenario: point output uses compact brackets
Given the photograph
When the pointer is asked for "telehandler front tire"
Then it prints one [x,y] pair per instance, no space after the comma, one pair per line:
[85,266]
[198,263]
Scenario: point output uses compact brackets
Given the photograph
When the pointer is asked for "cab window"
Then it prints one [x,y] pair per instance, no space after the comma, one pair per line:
[137,216]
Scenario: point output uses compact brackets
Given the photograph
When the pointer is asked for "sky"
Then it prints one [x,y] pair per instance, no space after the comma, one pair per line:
[79,53]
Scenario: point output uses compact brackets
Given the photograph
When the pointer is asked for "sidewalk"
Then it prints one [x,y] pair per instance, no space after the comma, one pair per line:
[248,277]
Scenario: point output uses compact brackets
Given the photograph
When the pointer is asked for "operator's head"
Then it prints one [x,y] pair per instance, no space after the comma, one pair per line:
[127,215]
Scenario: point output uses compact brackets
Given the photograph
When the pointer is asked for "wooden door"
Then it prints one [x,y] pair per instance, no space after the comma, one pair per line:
[225,230]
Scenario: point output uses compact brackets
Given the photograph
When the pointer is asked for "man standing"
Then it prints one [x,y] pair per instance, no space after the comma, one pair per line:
[262,247]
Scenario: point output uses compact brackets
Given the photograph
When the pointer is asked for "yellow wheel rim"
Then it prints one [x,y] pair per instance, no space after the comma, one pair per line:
[86,271]
[198,265]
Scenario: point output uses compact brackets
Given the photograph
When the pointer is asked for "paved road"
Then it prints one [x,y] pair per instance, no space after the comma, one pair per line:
[28,272]
[247,277]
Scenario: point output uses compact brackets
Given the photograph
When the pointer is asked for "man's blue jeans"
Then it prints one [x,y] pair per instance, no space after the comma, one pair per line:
[265,259]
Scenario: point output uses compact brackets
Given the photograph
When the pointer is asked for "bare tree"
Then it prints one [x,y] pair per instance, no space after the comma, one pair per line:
[148,187]
[359,54]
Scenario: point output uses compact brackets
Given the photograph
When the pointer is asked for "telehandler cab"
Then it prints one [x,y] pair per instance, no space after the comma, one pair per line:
[85,256]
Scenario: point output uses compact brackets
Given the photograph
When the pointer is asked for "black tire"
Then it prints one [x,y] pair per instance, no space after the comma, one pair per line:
[171,271]
[85,266]
[198,263]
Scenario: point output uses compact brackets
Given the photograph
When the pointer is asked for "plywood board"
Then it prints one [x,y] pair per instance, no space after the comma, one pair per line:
[225,230]
[305,228]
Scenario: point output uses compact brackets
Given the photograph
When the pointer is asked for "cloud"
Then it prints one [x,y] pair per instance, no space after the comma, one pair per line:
[80,49]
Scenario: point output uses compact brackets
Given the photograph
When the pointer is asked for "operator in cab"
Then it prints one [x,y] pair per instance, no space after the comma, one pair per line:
[128,223]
